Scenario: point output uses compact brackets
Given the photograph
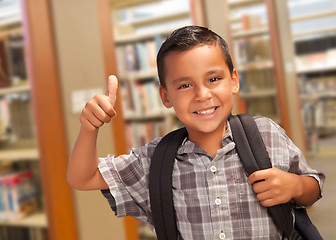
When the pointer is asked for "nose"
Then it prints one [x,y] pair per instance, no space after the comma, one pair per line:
[202,93]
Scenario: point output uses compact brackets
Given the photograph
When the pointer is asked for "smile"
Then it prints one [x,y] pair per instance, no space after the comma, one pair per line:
[207,112]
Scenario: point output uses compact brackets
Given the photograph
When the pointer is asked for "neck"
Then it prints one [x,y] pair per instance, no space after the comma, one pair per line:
[209,142]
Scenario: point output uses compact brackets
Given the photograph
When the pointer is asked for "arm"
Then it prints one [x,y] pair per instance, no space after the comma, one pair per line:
[83,173]
[277,186]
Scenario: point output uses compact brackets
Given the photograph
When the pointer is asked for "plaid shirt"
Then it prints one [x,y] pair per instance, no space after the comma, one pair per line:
[212,197]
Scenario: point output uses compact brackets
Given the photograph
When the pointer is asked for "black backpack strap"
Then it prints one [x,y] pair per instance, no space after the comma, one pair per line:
[160,184]
[253,155]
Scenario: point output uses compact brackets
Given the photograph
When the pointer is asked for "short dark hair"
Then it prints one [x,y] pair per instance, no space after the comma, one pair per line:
[185,38]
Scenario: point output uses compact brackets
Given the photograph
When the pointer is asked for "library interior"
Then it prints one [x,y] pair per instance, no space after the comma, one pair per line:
[56,55]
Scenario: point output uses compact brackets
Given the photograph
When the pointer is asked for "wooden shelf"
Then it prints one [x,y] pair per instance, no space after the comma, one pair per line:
[257,65]
[242,3]
[155,19]
[19,154]
[313,32]
[36,220]
[25,87]
[325,68]
[141,37]
[259,93]
[149,117]
[132,76]
[251,33]
[317,96]
[14,19]
[313,16]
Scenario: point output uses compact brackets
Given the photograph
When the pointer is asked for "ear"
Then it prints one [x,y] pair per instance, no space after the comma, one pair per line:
[164,97]
[235,81]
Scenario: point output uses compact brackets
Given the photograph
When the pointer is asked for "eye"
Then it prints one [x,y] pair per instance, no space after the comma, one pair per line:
[183,86]
[214,79]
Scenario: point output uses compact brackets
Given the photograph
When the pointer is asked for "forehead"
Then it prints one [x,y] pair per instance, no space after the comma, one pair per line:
[196,59]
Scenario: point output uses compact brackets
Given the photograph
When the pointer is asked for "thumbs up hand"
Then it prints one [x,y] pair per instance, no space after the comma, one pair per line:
[112,87]
[100,109]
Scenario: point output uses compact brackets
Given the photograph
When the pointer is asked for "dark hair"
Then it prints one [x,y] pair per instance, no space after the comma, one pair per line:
[186,38]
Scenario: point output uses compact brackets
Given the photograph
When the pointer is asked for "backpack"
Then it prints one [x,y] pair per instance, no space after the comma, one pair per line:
[253,155]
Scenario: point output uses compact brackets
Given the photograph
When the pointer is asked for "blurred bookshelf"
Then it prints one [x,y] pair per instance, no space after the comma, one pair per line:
[252,53]
[139,30]
[22,214]
[313,27]
[256,31]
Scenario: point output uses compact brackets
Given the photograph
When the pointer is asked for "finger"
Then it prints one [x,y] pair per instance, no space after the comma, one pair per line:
[91,117]
[90,121]
[112,86]
[104,116]
[260,187]
[268,203]
[106,106]
[259,175]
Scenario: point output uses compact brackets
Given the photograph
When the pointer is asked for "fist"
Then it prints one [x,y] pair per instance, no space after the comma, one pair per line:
[100,109]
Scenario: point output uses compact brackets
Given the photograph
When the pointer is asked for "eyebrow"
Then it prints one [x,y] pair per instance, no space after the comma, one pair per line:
[178,80]
[214,71]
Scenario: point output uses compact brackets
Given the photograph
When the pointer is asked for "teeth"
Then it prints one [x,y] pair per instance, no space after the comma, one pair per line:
[209,111]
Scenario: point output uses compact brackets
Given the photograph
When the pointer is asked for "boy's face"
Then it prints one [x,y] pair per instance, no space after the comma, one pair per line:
[200,88]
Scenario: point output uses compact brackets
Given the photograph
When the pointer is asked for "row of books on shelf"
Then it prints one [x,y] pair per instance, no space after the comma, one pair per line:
[16,118]
[22,233]
[18,195]
[138,56]
[318,85]
[266,106]
[251,81]
[320,114]
[140,133]
[316,61]
[12,60]
[254,49]
[141,98]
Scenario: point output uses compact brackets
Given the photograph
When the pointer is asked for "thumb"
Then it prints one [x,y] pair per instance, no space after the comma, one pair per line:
[112,87]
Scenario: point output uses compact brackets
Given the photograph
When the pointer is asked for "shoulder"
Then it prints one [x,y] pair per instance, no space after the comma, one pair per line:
[273,135]
[264,123]
[280,147]
[147,150]
[269,128]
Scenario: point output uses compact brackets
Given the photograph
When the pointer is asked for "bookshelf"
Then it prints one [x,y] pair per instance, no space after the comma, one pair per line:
[314,38]
[18,149]
[253,56]
[31,142]
[256,31]
[139,30]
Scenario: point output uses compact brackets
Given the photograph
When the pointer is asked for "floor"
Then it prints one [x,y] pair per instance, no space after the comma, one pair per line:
[323,213]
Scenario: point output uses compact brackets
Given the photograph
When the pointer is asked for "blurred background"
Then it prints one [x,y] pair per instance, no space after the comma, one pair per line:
[56,55]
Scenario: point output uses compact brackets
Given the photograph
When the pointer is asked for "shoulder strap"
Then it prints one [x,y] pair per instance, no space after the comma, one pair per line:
[253,155]
[160,184]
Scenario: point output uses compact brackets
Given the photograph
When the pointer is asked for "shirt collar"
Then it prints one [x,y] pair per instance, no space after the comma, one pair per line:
[190,147]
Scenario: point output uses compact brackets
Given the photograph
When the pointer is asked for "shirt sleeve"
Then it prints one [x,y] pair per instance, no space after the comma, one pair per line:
[127,178]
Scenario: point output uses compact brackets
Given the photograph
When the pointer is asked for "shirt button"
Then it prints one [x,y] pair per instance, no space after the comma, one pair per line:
[213,169]
[222,236]
[218,201]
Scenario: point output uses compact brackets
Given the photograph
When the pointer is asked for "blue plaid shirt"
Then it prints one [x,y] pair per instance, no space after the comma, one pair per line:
[212,197]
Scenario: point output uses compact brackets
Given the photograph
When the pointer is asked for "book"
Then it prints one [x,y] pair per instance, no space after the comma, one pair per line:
[17,58]
[4,68]
[18,195]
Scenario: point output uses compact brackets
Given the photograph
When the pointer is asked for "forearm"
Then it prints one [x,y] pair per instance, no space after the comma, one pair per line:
[308,190]
[83,173]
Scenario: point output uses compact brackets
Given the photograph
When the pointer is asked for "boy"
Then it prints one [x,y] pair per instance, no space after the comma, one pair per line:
[213,197]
